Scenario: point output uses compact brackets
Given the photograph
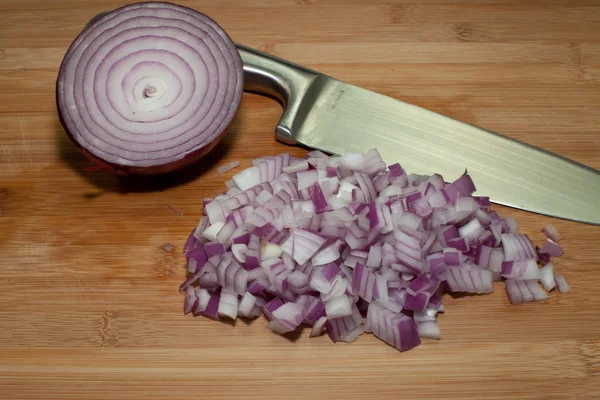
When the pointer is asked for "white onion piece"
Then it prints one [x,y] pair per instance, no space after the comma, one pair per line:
[551,232]
[346,191]
[288,312]
[352,161]
[514,295]
[327,254]
[429,329]
[318,327]
[353,334]
[536,290]
[561,284]
[298,279]
[246,305]
[202,225]
[512,224]
[263,197]
[212,231]
[307,178]
[466,204]
[225,232]
[228,167]
[214,211]
[190,299]
[392,190]
[239,252]
[296,167]
[270,250]
[521,269]
[203,299]
[228,305]
[149,87]
[374,258]
[382,288]
[338,307]
[320,284]
[338,289]
[547,276]
[470,229]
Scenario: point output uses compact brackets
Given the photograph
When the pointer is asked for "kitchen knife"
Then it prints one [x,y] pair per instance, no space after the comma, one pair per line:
[330,115]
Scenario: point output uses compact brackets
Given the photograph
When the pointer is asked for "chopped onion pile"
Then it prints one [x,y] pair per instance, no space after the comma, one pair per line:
[149,87]
[347,245]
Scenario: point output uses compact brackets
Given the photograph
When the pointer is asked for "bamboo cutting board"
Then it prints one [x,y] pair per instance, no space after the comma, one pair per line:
[89,307]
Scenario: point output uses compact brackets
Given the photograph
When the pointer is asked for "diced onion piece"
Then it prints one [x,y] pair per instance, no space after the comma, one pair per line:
[551,233]
[547,276]
[270,250]
[319,283]
[228,305]
[203,299]
[302,245]
[190,299]
[552,248]
[518,247]
[289,312]
[228,167]
[351,336]
[561,284]
[318,327]
[352,161]
[327,254]
[246,305]
[338,307]
[296,167]
[239,252]
[520,269]
[263,197]
[429,330]
[306,179]
[211,232]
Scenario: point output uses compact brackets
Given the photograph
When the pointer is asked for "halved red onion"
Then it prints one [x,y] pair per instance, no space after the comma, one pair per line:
[149,87]
[323,241]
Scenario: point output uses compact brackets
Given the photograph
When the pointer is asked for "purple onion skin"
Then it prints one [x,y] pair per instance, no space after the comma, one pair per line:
[125,170]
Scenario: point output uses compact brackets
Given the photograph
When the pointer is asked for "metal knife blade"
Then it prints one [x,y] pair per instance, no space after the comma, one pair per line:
[327,114]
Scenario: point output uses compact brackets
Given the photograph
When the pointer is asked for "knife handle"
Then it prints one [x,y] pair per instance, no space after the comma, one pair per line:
[286,81]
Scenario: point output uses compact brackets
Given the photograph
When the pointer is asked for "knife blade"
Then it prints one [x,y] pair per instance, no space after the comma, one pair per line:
[333,116]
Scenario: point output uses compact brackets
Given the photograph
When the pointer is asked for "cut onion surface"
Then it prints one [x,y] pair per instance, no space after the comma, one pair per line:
[348,246]
[149,87]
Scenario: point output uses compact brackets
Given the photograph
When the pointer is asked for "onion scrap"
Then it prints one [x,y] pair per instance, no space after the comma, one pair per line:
[347,245]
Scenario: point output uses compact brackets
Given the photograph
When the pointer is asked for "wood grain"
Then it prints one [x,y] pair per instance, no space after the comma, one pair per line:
[90,308]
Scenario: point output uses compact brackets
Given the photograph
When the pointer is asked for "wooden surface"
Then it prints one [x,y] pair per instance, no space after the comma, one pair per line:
[89,307]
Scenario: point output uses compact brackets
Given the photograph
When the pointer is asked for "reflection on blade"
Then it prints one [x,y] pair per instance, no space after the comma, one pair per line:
[338,116]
